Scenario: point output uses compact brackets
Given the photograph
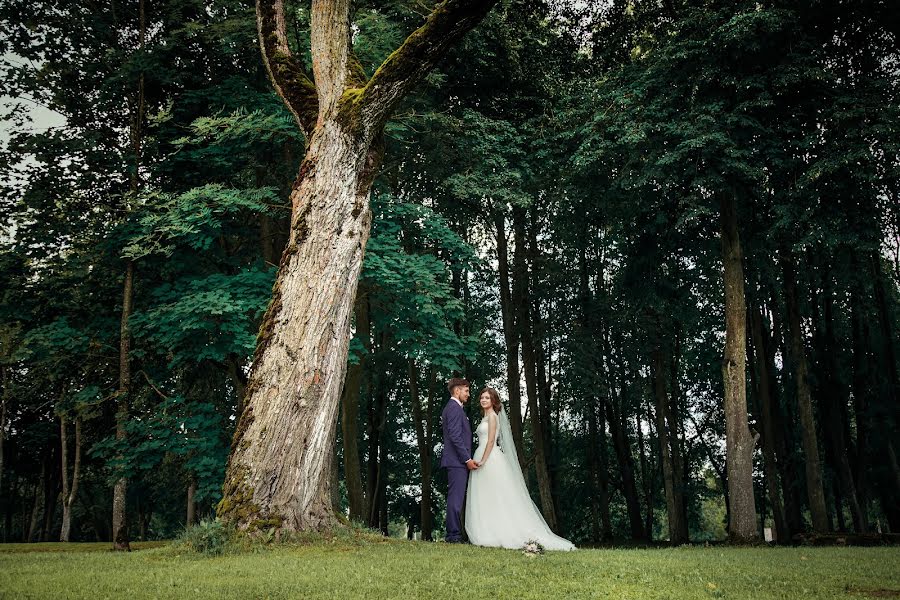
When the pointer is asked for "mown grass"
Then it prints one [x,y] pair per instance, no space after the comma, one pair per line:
[369,568]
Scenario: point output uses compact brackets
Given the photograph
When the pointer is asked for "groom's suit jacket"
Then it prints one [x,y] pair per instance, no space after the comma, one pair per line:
[457,436]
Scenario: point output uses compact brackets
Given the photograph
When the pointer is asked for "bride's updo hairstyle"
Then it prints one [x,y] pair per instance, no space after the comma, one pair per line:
[495,398]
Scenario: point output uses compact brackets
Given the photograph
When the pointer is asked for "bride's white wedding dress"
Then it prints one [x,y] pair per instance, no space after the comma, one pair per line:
[499,510]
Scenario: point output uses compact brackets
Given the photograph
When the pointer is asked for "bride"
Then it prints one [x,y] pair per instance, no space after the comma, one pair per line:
[499,510]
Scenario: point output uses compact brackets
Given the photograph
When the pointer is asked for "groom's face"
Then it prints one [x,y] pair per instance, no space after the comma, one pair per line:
[462,394]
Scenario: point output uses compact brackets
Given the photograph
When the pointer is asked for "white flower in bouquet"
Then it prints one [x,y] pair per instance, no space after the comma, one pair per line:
[532,549]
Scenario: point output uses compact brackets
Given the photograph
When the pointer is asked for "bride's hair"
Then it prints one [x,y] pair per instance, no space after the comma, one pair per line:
[495,398]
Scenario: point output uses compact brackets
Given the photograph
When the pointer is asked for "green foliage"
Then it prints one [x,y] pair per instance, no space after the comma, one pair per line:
[190,430]
[201,318]
[209,537]
[407,268]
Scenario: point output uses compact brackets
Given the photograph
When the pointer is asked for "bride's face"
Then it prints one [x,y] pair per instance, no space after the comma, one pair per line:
[485,401]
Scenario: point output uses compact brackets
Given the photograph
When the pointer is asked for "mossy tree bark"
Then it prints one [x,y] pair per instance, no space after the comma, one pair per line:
[277,474]
[739,442]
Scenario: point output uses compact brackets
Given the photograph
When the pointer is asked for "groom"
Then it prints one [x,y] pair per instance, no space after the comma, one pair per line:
[457,454]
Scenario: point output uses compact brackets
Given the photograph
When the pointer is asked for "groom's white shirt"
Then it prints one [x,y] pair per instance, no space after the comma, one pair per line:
[457,401]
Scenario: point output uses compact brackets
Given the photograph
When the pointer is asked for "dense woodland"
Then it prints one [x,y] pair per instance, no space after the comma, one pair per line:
[668,232]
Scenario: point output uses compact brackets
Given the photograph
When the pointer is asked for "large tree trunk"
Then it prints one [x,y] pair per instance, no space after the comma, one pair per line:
[350,414]
[812,462]
[69,492]
[738,441]
[277,471]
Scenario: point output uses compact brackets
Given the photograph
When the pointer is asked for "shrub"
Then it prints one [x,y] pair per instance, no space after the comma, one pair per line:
[209,537]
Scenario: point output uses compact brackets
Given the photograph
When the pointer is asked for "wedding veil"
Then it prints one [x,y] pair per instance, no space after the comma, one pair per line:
[508,447]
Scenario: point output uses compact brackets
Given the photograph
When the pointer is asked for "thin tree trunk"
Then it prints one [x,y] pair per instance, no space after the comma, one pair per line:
[120,489]
[785,421]
[622,446]
[674,512]
[645,474]
[350,413]
[812,462]
[510,335]
[37,504]
[190,517]
[842,449]
[676,439]
[890,493]
[529,359]
[618,429]
[423,442]
[861,393]
[4,394]
[767,410]
[69,492]
[738,441]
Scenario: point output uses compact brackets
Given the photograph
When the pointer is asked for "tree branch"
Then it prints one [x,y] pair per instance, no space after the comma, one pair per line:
[405,67]
[287,76]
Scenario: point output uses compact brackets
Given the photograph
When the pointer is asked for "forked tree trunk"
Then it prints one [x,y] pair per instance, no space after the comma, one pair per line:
[277,473]
[738,441]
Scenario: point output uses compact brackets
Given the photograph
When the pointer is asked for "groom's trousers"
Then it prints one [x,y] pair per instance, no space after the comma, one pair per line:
[457,478]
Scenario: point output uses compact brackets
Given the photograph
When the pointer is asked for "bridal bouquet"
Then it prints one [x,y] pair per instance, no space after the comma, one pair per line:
[532,549]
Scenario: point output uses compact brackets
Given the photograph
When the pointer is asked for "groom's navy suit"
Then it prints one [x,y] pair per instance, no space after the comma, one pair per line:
[457,451]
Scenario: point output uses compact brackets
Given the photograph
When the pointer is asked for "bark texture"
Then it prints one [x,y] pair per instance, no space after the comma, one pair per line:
[739,442]
[278,470]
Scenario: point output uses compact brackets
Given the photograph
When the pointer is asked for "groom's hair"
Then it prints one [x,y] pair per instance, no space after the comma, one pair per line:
[455,383]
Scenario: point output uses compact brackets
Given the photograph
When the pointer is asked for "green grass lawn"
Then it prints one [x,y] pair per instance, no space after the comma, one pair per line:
[393,569]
